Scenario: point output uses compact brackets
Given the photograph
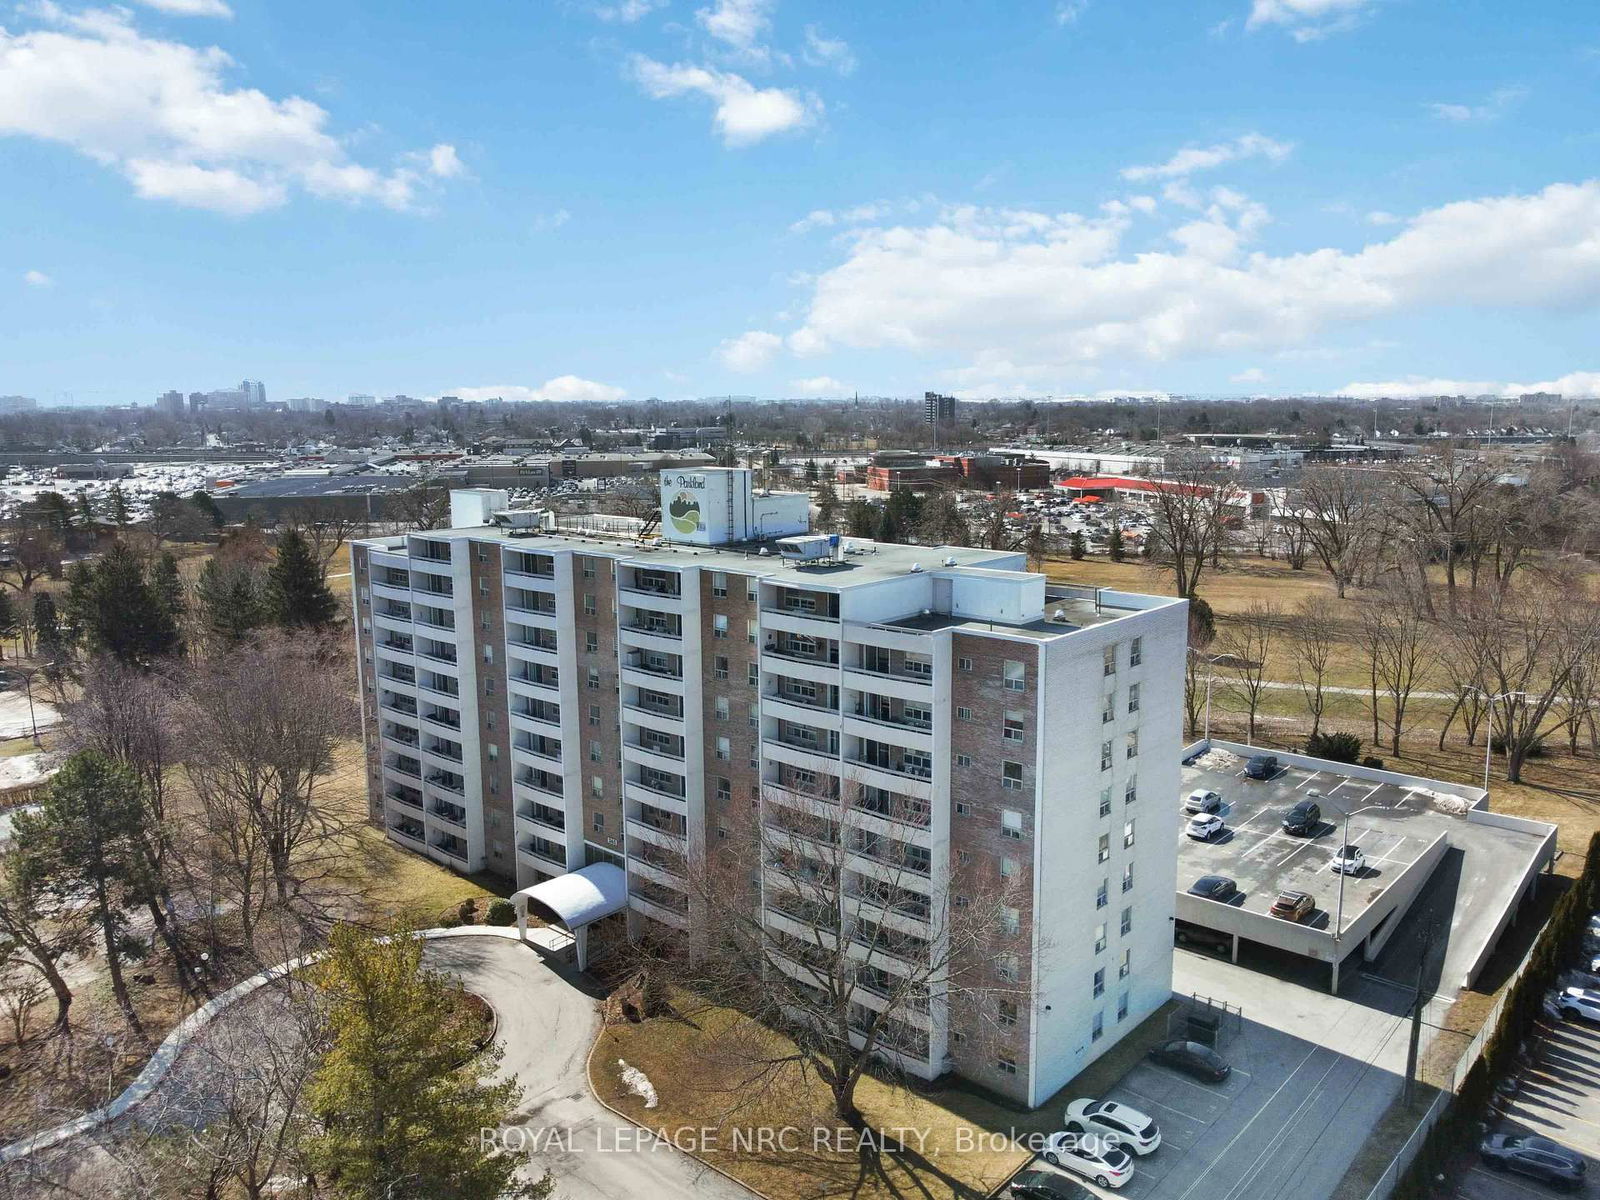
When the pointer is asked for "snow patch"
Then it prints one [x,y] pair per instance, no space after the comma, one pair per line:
[1445,802]
[1218,760]
[638,1083]
[23,770]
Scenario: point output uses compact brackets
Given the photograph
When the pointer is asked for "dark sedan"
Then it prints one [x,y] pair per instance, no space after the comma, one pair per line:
[1215,887]
[1193,1059]
[1537,1157]
[1046,1185]
[1303,818]
[1261,766]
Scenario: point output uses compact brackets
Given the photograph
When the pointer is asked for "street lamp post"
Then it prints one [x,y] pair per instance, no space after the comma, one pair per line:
[1488,736]
[1338,918]
[27,683]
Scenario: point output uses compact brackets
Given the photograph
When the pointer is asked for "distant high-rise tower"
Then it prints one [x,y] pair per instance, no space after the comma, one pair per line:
[941,411]
[255,393]
[171,403]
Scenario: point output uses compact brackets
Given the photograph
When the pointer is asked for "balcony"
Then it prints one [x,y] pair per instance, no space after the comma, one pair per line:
[537,676]
[883,715]
[396,675]
[665,913]
[544,852]
[665,830]
[545,748]
[403,705]
[451,813]
[405,766]
[665,631]
[895,760]
[406,796]
[410,832]
[450,846]
[904,810]
[441,685]
[657,795]
[401,737]
[538,781]
[657,859]
[435,618]
[445,781]
[438,653]
[444,717]
[543,815]
[401,645]
[534,566]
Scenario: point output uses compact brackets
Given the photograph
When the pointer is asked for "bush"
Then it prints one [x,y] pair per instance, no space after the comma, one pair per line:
[1372,764]
[501,912]
[1335,747]
[467,911]
[1534,750]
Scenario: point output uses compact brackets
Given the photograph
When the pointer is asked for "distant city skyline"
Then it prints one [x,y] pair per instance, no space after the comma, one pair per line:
[617,201]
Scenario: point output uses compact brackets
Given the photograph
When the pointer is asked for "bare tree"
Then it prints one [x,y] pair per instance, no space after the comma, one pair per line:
[1192,504]
[846,964]
[1338,512]
[324,533]
[1445,489]
[1247,643]
[1399,647]
[1314,638]
[423,505]
[34,555]
[37,931]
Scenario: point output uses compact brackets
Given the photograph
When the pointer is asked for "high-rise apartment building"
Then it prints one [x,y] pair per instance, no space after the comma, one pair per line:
[539,701]
[939,410]
[171,403]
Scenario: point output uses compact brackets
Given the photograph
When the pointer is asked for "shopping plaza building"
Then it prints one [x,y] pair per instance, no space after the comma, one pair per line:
[593,715]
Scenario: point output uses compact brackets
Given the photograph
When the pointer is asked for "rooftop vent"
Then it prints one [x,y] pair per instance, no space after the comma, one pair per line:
[916,568]
[1059,615]
[950,561]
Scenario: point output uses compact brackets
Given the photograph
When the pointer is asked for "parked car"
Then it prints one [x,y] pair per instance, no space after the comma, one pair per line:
[1204,827]
[1575,1002]
[1193,1059]
[1129,1126]
[1034,1184]
[1214,887]
[1293,906]
[1089,1157]
[1348,860]
[1302,818]
[1261,766]
[1537,1157]
[1203,801]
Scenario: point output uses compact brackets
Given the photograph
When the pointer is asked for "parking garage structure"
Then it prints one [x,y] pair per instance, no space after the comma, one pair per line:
[1407,828]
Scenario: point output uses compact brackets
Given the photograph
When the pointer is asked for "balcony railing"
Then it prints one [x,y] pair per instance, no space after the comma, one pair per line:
[654,629]
[454,847]
[440,780]
[405,798]
[824,658]
[663,672]
[544,815]
[456,816]
[862,713]
[656,789]
[909,769]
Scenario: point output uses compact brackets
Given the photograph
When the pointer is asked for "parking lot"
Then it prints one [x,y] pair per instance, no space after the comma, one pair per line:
[1559,1099]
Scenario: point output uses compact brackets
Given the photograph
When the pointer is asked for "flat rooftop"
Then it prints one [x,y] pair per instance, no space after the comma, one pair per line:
[319,485]
[1392,824]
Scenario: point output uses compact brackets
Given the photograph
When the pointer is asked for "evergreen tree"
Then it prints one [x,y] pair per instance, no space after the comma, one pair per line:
[86,843]
[53,638]
[1036,546]
[827,507]
[888,525]
[53,513]
[229,604]
[862,519]
[1076,546]
[167,583]
[10,619]
[941,522]
[1114,544]
[85,508]
[119,507]
[811,470]
[117,610]
[202,500]
[401,1093]
[297,593]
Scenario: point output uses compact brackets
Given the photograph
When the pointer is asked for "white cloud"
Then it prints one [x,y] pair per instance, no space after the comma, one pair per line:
[190,8]
[546,222]
[745,114]
[826,218]
[1496,105]
[444,162]
[739,24]
[1579,385]
[1025,296]
[1249,375]
[562,387]
[1308,20]
[823,51]
[1068,11]
[37,279]
[1204,158]
[626,12]
[1380,217]
[749,352]
[818,386]
[162,114]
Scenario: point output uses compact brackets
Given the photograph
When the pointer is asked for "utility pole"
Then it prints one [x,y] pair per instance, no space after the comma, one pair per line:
[1428,931]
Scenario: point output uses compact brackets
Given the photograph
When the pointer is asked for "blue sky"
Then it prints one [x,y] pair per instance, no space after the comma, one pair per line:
[658,197]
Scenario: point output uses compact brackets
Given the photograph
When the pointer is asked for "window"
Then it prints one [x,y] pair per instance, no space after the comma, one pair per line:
[483,587]
[721,832]
[1102,896]
[589,608]
[594,714]
[1013,725]
[1108,708]
[494,752]
[591,641]
[594,752]
[483,553]
[1133,744]
[597,786]
[719,583]
[724,789]
[753,675]
[755,716]
[594,677]
[1006,1066]
[1097,1030]
[1125,966]
[1127,920]
[1011,824]
[750,632]
[1015,675]
[751,590]
[1100,982]
[1007,967]
[964,663]
[1008,868]
[1127,878]
[963,714]
[962,901]
[719,626]
[724,749]
[1127,833]
[488,654]
[488,687]
[1131,792]
[719,666]
[720,707]
[1109,657]
[1133,697]
[1011,775]
[1011,920]
[1136,652]
[1105,802]
[963,808]
[1100,937]
[1105,756]
[1007,1015]
[598,822]
[1122,1006]
[588,567]
[963,760]
[1104,852]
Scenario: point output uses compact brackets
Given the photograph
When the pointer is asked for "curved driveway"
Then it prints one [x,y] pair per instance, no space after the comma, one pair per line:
[547,1025]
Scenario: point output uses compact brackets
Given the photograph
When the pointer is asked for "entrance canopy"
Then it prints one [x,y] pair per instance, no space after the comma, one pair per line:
[579,897]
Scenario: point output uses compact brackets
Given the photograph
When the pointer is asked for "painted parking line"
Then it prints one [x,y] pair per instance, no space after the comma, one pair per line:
[1504,1179]
[1372,793]
[1307,780]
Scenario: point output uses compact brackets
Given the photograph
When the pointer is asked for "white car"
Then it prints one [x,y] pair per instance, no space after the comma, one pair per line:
[1576,1002]
[1130,1127]
[1090,1157]
[1348,860]
[1202,801]
[1204,827]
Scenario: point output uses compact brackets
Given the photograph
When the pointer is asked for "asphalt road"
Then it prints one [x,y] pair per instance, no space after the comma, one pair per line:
[546,1028]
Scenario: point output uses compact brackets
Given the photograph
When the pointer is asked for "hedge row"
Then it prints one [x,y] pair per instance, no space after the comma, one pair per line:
[1460,1125]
